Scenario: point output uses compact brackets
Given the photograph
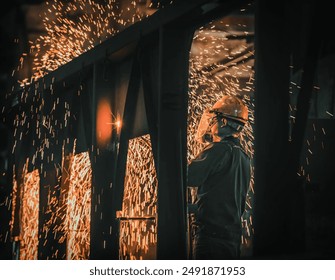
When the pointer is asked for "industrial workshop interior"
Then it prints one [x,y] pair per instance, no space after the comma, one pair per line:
[100,102]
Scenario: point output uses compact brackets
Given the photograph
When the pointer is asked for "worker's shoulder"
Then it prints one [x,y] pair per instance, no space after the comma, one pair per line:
[226,146]
[219,147]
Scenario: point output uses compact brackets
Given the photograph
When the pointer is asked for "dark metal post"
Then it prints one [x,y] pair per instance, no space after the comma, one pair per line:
[104,230]
[172,122]
[271,130]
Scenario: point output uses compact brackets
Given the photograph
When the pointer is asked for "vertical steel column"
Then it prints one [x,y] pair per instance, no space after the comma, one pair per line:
[279,200]
[126,131]
[6,188]
[271,129]
[175,43]
[49,162]
[104,230]
[297,237]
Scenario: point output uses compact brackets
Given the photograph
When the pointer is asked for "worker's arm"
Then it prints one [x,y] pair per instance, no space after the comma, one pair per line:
[198,170]
[204,164]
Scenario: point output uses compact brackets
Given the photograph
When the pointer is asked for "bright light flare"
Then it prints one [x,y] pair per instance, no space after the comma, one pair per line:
[104,123]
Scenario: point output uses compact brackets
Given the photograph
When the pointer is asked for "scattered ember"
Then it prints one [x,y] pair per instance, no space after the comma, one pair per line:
[78,215]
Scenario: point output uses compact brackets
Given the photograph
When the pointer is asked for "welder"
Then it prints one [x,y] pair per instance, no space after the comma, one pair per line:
[221,173]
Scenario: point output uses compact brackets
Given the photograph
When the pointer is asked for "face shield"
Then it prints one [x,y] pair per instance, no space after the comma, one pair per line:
[213,124]
[208,119]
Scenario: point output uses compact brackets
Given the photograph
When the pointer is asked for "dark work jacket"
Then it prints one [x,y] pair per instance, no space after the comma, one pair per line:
[222,174]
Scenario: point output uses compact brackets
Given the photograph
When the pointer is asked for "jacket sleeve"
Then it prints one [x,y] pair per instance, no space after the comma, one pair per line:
[203,165]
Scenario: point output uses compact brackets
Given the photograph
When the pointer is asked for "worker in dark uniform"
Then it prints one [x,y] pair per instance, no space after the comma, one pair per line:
[221,173]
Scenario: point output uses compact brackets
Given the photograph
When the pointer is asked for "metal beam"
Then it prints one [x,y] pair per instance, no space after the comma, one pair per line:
[271,130]
[175,44]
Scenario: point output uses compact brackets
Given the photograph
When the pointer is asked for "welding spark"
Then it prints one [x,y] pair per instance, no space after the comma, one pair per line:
[139,210]
[78,215]
[29,212]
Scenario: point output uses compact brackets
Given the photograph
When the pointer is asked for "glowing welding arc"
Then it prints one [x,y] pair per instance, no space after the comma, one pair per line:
[103,121]
[116,125]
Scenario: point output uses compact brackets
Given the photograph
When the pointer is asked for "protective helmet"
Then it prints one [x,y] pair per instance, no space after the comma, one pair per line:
[228,107]
[231,107]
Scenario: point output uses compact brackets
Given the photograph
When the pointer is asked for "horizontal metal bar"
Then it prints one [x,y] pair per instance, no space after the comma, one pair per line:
[137,218]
